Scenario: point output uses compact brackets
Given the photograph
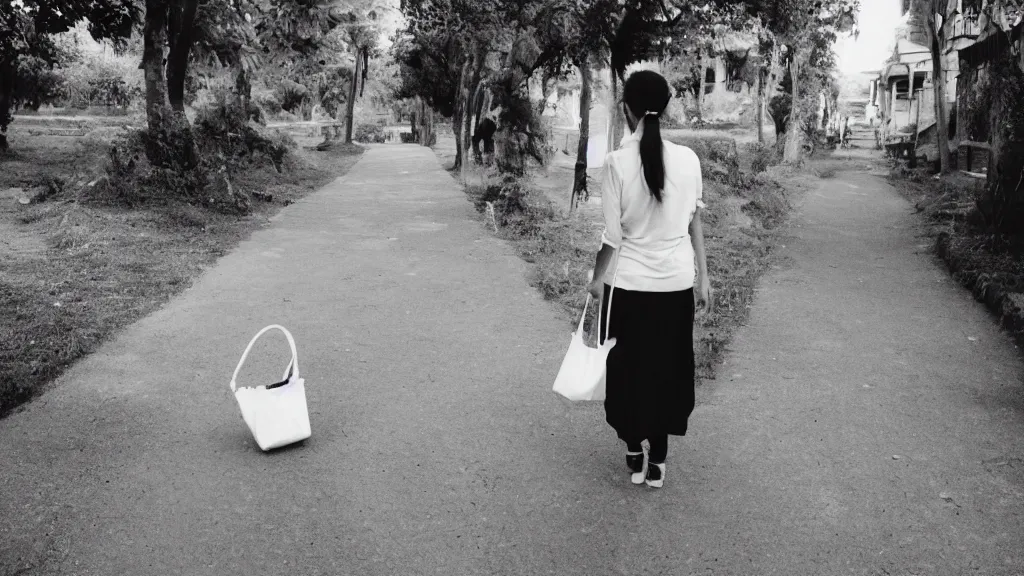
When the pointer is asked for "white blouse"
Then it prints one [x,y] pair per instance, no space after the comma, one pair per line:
[655,252]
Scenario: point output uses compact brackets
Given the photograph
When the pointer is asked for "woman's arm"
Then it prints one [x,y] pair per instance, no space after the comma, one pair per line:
[611,239]
[604,259]
[703,285]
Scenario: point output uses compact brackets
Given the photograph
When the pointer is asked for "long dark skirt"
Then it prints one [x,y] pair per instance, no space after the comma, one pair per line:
[651,368]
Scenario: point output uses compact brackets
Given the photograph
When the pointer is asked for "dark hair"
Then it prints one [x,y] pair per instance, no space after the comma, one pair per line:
[647,94]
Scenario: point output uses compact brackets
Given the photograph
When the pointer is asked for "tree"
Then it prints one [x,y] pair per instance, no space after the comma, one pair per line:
[806,30]
[235,33]
[363,39]
[936,19]
[992,103]
[448,46]
[26,30]
[576,34]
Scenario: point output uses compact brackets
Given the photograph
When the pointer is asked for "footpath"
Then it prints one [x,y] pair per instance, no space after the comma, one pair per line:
[867,420]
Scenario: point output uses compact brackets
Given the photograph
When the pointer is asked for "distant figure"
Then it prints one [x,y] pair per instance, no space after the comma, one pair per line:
[484,131]
[844,133]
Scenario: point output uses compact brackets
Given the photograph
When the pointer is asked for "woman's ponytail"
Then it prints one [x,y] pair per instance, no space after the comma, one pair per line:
[651,155]
[646,93]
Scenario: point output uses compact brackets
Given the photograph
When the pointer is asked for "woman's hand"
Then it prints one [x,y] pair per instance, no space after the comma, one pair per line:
[705,300]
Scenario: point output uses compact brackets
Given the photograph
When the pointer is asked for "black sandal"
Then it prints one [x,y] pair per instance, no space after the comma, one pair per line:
[637,462]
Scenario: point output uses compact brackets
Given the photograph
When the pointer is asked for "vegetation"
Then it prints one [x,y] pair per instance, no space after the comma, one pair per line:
[198,84]
[113,223]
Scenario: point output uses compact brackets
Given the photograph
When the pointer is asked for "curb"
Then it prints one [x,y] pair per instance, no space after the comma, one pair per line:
[1002,294]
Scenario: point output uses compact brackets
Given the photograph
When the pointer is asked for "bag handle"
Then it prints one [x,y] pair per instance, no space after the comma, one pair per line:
[293,364]
[611,296]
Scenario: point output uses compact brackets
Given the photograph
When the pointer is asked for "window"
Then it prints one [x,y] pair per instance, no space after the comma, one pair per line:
[901,88]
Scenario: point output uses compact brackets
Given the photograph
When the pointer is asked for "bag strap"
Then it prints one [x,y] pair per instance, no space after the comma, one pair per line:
[293,365]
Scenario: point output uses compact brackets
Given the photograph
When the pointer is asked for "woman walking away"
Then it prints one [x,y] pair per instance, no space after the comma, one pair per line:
[652,207]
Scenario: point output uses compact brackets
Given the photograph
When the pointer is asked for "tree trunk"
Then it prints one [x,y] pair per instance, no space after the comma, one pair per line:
[939,85]
[759,114]
[8,75]
[421,110]
[470,101]
[545,93]
[794,128]
[619,118]
[613,113]
[152,62]
[350,106]
[458,118]
[579,186]
[169,141]
[478,104]
[243,88]
[1002,202]
[181,27]
[431,127]
[488,100]
[426,124]
[703,85]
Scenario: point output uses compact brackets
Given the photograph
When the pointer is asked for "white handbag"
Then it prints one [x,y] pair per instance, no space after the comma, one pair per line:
[276,414]
[582,374]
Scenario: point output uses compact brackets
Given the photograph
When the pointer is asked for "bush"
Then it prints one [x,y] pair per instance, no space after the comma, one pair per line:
[407,138]
[768,204]
[112,92]
[112,81]
[226,131]
[227,140]
[370,133]
[37,83]
[718,158]
[763,156]
[269,101]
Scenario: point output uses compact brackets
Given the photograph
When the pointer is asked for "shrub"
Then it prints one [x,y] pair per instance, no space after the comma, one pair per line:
[102,81]
[37,83]
[762,156]
[133,180]
[768,204]
[370,133]
[226,131]
[718,158]
[112,92]
[269,101]
[407,137]
[227,140]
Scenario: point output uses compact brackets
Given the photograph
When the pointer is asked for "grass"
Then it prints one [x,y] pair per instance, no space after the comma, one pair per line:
[75,269]
[741,227]
[989,265]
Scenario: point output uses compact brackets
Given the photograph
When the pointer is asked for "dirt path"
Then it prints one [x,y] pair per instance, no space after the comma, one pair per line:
[439,448]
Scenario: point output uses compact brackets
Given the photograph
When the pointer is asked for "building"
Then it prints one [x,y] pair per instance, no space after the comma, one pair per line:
[972,34]
[981,32]
[903,95]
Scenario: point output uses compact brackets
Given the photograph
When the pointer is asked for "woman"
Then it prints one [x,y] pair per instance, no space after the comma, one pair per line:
[652,205]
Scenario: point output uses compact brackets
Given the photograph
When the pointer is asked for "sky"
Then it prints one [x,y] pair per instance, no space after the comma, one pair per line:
[877,20]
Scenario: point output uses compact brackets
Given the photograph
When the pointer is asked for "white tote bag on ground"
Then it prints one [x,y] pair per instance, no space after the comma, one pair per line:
[582,375]
[276,414]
